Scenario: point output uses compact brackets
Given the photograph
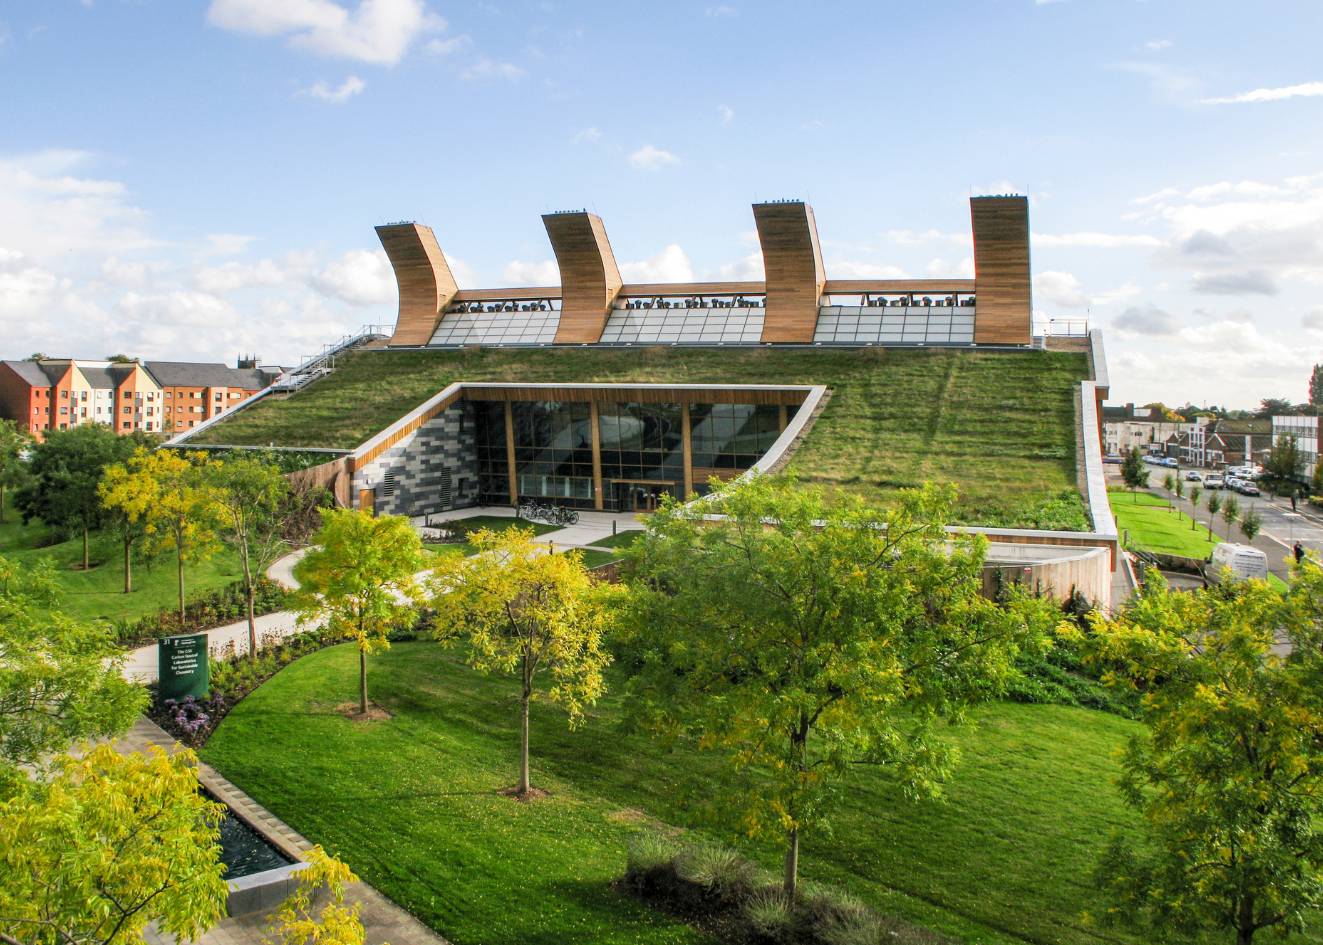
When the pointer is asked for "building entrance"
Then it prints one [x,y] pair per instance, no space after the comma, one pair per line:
[640,496]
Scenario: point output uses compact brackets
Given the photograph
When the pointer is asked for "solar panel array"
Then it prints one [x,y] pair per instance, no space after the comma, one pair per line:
[497,328]
[910,324]
[684,326]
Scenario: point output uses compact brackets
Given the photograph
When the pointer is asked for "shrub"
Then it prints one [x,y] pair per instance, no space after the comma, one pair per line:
[768,913]
[720,872]
[648,852]
[225,605]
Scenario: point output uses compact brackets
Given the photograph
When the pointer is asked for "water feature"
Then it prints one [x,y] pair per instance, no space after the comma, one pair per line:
[244,851]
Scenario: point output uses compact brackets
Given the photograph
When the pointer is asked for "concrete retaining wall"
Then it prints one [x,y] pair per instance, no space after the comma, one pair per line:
[1055,571]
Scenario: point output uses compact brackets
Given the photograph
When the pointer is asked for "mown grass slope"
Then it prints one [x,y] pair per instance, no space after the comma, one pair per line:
[1000,424]
[412,804]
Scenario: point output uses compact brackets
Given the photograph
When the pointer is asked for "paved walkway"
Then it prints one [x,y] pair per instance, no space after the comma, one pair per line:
[141,665]
[591,528]
[383,920]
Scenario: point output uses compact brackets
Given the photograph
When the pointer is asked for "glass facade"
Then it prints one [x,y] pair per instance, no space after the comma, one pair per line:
[897,325]
[642,449]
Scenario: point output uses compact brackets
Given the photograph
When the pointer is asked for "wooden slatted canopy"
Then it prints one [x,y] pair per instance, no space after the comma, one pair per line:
[792,263]
[424,279]
[589,278]
[1003,312]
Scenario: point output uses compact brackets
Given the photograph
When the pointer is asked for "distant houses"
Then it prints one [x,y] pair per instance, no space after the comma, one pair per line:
[151,396]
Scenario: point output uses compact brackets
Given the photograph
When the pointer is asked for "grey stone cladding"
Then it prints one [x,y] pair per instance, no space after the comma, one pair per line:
[433,470]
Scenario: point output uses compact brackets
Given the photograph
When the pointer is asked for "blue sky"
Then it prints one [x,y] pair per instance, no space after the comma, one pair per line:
[196,179]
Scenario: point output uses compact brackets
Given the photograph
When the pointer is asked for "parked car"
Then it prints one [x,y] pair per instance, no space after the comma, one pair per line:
[1248,488]
[1170,462]
[1233,483]
[1111,459]
[1213,481]
[1192,476]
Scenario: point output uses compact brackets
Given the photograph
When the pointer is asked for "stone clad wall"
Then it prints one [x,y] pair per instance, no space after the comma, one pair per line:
[419,463]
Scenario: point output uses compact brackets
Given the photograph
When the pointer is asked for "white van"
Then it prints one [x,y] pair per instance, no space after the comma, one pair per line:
[1243,561]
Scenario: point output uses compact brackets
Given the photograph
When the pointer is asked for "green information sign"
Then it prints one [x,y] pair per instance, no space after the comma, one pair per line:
[182,666]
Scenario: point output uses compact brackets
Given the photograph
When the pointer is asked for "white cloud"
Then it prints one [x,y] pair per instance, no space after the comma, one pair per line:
[359,277]
[236,276]
[1059,289]
[722,10]
[1157,45]
[1146,320]
[350,87]
[484,68]
[1252,282]
[1312,321]
[745,269]
[375,31]
[1096,240]
[670,265]
[588,136]
[650,158]
[726,114]
[517,272]
[1167,82]
[124,273]
[227,244]
[449,45]
[1303,90]
[855,269]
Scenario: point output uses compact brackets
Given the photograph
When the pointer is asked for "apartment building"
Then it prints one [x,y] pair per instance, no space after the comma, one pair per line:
[154,397]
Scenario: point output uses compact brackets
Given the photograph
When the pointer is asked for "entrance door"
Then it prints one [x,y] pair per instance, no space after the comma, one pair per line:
[640,496]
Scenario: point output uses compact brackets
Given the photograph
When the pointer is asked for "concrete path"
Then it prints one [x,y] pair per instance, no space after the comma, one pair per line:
[141,665]
[591,528]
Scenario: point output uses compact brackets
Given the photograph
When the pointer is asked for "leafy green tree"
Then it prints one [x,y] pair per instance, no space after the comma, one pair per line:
[800,637]
[1169,482]
[1250,524]
[1230,512]
[169,494]
[62,680]
[1228,776]
[360,581]
[65,471]
[252,495]
[14,442]
[1179,488]
[1214,506]
[315,913]
[1282,469]
[1274,407]
[1134,472]
[1316,386]
[1196,493]
[107,844]
[522,611]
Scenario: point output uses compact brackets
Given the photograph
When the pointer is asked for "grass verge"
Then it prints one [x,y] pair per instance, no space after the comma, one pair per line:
[1152,524]
[98,594]
[412,804]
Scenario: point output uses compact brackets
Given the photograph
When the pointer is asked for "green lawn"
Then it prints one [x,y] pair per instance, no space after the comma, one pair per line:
[620,539]
[1154,526]
[411,803]
[99,593]
[501,523]
[1001,424]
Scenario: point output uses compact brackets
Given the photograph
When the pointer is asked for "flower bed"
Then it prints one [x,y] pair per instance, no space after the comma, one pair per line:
[223,606]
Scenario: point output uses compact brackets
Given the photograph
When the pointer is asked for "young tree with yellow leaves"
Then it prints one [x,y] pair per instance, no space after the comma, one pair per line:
[522,611]
[299,922]
[106,845]
[360,581]
[1229,775]
[169,493]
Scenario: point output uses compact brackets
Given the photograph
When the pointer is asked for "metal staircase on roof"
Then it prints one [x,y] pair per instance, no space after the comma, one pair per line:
[313,366]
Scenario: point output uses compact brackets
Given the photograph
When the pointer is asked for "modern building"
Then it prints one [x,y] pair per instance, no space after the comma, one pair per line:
[1306,433]
[62,393]
[796,302]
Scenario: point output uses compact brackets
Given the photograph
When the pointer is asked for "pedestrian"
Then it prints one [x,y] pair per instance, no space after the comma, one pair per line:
[1299,552]
[1292,500]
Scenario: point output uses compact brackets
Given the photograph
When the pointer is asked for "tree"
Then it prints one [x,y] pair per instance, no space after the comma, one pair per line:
[62,681]
[1169,482]
[1316,386]
[1133,471]
[360,581]
[14,442]
[1228,776]
[1196,493]
[1230,512]
[524,612]
[1214,506]
[108,844]
[298,922]
[800,637]
[65,471]
[1250,524]
[1179,488]
[1274,407]
[120,359]
[252,494]
[1282,469]
[170,495]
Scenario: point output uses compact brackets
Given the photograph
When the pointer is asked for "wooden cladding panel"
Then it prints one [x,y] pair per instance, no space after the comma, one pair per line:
[792,264]
[929,286]
[1003,312]
[424,279]
[648,290]
[589,277]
